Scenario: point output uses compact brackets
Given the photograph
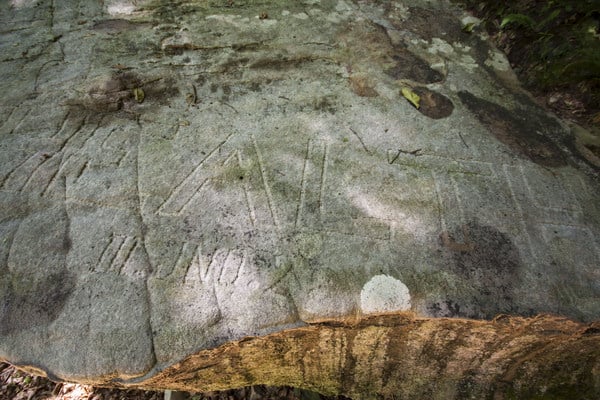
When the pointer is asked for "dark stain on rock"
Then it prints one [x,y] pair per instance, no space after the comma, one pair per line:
[409,66]
[161,91]
[109,95]
[163,11]
[489,262]
[521,130]
[324,104]
[35,285]
[226,92]
[445,308]
[362,86]
[116,93]
[281,63]
[234,64]
[594,149]
[254,86]
[481,52]
[251,46]
[27,301]
[177,49]
[429,23]
[433,104]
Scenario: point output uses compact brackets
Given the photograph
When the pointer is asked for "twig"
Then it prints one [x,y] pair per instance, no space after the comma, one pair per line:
[360,140]
[412,153]
[195,94]
[150,81]
[463,140]
[228,105]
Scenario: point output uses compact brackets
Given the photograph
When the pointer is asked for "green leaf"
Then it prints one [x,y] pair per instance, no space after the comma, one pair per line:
[518,19]
[411,96]
[549,19]
[468,28]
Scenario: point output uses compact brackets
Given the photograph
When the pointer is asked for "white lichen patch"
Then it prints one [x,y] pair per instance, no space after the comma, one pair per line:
[439,46]
[23,3]
[301,15]
[120,8]
[455,52]
[469,19]
[342,6]
[235,20]
[384,293]
[468,62]
[497,60]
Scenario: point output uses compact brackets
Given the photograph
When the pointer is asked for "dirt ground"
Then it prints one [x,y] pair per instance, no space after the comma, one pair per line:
[17,385]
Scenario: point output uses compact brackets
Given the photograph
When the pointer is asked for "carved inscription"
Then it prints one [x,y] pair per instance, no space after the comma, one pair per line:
[567,241]
[194,267]
[116,253]
[476,191]
[192,184]
[562,200]
[14,119]
[519,209]
[255,183]
[265,182]
[64,156]
[252,181]
[311,206]
[224,267]
[18,177]
[453,245]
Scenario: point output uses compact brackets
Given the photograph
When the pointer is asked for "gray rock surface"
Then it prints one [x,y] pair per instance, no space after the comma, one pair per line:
[175,175]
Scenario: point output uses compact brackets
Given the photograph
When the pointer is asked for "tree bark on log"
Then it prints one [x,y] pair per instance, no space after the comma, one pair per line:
[400,356]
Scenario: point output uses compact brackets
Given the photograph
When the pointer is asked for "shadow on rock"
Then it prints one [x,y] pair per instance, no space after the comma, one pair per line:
[521,130]
[28,302]
[488,261]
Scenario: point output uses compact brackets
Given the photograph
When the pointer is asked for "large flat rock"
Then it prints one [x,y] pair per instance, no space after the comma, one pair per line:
[177,175]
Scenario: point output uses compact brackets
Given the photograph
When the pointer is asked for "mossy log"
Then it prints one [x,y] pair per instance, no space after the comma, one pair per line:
[405,357]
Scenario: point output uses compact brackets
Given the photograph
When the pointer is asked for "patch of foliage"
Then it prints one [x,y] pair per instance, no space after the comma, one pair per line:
[555,44]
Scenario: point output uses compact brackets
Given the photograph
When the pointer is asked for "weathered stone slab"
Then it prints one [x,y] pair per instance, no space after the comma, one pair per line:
[175,176]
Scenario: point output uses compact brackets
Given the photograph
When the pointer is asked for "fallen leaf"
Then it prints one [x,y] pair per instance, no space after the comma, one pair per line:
[519,19]
[468,28]
[411,96]
[138,95]
[190,99]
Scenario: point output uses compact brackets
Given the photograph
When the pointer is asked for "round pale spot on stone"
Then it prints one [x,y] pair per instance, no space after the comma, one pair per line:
[384,293]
